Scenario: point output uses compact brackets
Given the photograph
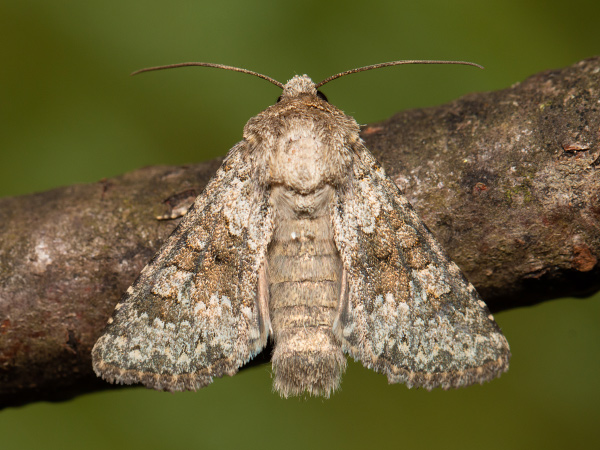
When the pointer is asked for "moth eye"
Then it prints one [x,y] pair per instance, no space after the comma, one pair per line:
[322,96]
[278,99]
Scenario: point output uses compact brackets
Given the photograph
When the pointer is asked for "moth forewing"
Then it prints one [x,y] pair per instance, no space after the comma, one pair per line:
[300,236]
[192,314]
[411,314]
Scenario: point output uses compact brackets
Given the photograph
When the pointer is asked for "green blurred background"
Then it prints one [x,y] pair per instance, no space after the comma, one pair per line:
[69,113]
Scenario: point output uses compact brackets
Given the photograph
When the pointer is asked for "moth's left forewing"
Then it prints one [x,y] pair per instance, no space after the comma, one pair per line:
[196,312]
[408,311]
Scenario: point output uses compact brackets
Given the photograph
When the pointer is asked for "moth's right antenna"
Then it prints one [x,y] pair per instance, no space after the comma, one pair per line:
[393,63]
[216,66]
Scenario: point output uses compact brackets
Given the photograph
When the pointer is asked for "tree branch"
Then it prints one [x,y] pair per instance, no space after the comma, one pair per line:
[509,182]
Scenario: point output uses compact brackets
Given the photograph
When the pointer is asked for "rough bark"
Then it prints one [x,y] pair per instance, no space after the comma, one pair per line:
[509,182]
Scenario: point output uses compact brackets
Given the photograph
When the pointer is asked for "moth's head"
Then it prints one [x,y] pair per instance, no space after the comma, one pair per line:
[300,85]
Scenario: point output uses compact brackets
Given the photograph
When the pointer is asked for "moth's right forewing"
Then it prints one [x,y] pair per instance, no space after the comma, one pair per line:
[409,313]
[194,312]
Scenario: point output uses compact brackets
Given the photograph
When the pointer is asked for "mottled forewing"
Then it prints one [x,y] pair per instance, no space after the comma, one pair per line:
[408,311]
[193,313]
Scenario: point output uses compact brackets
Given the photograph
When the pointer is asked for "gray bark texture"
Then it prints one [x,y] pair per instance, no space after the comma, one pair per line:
[508,181]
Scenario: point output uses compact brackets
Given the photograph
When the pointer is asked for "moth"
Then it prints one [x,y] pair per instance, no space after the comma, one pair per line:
[301,237]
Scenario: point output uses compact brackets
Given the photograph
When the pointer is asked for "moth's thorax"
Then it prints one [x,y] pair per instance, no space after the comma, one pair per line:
[302,141]
[300,159]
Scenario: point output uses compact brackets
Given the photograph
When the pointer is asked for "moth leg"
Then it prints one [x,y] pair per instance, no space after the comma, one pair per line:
[262,300]
[342,307]
[176,213]
[180,204]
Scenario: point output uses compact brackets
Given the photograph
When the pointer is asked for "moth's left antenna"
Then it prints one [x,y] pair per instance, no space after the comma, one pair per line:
[393,63]
[216,66]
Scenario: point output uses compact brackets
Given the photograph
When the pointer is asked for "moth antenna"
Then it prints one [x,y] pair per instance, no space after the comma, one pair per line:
[393,63]
[216,66]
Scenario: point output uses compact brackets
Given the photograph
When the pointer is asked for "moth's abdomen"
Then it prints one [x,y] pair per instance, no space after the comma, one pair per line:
[305,271]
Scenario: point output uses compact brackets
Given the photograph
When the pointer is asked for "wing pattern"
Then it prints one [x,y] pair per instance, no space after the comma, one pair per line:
[407,310]
[194,313]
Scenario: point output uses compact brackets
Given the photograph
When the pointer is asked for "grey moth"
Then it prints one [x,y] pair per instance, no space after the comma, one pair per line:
[301,238]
